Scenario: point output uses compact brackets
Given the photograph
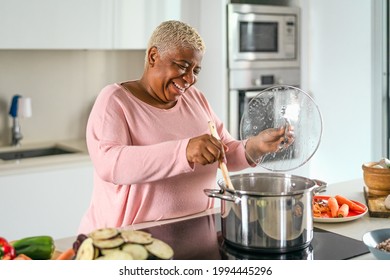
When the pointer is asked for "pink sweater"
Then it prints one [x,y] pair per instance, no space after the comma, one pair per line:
[141,172]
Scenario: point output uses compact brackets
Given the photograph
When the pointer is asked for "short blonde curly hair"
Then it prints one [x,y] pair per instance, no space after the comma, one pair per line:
[174,34]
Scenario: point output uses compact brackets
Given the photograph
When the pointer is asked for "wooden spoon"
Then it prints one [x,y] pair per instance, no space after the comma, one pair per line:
[222,165]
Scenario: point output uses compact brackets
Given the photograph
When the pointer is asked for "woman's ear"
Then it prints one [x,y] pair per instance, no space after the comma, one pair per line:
[152,56]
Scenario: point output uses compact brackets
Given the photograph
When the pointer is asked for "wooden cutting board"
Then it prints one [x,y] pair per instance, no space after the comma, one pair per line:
[376,205]
[55,255]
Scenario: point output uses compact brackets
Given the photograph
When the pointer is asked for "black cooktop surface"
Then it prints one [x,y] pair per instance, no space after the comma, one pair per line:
[201,239]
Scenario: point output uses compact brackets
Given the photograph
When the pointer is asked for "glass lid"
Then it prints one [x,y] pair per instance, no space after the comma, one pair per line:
[279,106]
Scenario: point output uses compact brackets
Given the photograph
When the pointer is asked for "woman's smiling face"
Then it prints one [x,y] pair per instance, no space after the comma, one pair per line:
[172,74]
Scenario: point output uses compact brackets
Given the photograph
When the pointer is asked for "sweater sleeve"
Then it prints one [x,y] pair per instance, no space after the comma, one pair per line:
[113,154]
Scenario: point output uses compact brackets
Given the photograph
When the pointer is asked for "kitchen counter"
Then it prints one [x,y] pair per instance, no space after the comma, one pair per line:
[79,157]
[354,229]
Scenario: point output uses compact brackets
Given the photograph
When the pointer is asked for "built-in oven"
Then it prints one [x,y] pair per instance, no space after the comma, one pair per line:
[263,36]
[244,84]
[263,51]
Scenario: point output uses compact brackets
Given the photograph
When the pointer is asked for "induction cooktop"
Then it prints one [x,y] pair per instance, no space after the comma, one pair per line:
[201,239]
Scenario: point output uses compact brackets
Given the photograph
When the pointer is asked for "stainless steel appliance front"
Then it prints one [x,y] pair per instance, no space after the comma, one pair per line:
[263,36]
[244,84]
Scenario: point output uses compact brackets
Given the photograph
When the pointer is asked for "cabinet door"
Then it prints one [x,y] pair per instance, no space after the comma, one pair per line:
[47,202]
[134,20]
[56,24]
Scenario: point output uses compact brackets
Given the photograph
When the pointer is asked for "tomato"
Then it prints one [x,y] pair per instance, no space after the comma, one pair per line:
[7,251]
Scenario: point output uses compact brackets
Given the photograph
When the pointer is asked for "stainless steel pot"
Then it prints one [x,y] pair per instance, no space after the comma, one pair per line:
[269,212]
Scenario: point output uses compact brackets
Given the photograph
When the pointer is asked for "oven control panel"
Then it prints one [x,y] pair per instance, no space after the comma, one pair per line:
[262,78]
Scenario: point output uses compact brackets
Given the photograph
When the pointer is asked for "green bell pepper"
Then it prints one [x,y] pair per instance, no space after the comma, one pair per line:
[36,247]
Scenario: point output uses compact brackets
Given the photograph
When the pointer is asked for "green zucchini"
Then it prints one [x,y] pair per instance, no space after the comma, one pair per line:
[36,247]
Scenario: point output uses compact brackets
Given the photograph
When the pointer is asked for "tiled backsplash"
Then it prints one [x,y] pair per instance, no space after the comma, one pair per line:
[62,85]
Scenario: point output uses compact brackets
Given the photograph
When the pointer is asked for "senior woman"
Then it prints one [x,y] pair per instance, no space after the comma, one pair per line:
[150,143]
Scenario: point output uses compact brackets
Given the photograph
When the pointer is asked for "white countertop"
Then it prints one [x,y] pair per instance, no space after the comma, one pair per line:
[11,167]
[354,229]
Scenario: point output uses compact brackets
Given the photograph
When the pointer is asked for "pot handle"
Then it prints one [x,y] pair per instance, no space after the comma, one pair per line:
[222,195]
[321,186]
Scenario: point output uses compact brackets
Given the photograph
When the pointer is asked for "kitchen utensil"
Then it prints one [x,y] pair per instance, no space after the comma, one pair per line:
[279,106]
[270,212]
[376,179]
[373,238]
[222,165]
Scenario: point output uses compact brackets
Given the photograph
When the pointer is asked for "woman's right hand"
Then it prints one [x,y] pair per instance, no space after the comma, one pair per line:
[270,140]
[205,149]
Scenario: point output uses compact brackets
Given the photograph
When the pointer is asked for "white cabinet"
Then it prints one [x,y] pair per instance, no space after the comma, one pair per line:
[46,202]
[135,20]
[82,24]
[55,24]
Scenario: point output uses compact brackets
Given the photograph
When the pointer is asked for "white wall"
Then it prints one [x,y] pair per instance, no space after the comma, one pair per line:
[337,67]
[214,79]
[209,18]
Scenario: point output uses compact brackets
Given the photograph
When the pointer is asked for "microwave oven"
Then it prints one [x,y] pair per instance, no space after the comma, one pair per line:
[262,36]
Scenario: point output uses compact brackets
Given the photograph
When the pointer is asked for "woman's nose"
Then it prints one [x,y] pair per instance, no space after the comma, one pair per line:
[190,77]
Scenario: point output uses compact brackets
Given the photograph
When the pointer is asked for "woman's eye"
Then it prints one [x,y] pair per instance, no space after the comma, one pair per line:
[184,67]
